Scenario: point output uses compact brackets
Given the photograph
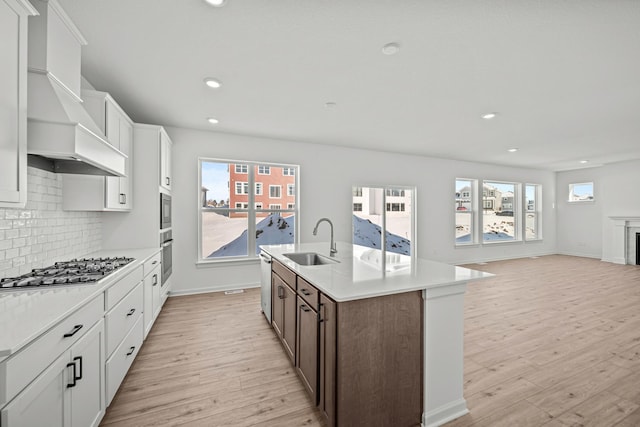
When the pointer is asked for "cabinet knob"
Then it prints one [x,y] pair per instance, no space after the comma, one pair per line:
[74,331]
[305,292]
[130,313]
[155,279]
[131,350]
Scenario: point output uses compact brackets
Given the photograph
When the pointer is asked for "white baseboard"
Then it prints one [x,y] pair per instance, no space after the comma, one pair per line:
[580,254]
[196,291]
[502,258]
[445,413]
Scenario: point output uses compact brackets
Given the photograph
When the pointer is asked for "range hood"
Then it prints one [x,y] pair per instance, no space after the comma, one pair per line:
[61,136]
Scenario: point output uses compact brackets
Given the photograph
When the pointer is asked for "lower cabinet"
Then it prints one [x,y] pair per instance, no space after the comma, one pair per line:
[152,297]
[327,360]
[283,312]
[70,392]
[307,348]
[120,361]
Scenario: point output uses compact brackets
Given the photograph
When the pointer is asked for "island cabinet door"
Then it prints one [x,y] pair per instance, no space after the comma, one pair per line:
[307,348]
[283,312]
[327,360]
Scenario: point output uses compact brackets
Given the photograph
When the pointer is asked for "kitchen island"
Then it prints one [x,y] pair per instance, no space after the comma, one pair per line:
[389,333]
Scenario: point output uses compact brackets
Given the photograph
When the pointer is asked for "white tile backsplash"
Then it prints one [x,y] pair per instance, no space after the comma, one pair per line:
[42,233]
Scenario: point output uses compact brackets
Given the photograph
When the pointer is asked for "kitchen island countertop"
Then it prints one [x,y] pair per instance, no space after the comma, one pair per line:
[358,273]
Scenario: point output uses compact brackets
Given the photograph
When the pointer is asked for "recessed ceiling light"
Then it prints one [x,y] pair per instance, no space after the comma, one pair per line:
[512,150]
[584,161]
[216,3]
[489,116]
[391,48]
[213,121]
[212,83]
[330,104]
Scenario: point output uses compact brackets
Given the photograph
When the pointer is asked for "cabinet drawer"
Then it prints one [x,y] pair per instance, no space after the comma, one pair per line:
[122,358]
[121,288]
[19,370]
[288,276]
[308,293]
[122,317]
[151,263]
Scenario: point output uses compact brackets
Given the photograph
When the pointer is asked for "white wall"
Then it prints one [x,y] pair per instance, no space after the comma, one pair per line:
[327,175]
[580,224]
[585,229]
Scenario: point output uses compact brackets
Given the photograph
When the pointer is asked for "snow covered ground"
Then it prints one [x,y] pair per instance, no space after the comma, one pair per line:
[271,230]
[496,228]
[366,233]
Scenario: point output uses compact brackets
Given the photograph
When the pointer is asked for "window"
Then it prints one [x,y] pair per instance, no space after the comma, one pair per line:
[242,187]
[395,207]
[464,211]
[382,225]
[532,212]
[499,217]
[291,190]
[275,191]
[581,192]
[288,171]
[233,222]
[264,170]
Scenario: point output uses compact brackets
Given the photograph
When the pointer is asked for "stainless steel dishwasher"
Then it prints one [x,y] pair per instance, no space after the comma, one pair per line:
[265,284]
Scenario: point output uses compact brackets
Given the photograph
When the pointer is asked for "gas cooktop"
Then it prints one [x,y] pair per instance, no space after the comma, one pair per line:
[74,272]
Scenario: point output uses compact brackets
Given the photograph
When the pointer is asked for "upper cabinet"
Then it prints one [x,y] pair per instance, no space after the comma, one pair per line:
[103,193]
[13,101]
[165,161]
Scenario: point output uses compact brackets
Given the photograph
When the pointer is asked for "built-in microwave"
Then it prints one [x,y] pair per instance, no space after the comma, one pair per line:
[165,211]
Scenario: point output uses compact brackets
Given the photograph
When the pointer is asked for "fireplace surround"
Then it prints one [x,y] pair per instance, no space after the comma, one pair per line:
[625,243]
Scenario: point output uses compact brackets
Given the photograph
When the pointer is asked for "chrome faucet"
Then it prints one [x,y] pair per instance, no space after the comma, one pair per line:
[332,251]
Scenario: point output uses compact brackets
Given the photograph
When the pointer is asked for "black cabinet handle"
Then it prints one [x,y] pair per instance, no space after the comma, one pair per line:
[155,279]
[321,309]
[73,331]
[168,180]
[131,350]
[133,310]
[79,359]
[154,262]
[305,308]
[122,199]
[73,377]
[280,292]
[305,292]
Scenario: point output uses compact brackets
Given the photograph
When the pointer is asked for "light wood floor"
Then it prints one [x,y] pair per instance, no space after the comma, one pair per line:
[549,341]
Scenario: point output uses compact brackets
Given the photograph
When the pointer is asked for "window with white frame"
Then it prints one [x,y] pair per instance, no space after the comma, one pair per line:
[275,191]
[357,207]
[288,171]
[395,207]
[357,191]
[464,211]
[581,192]
[291,189]
[264,170]
[233,223]
[500,211]
[532,212]
[242,187]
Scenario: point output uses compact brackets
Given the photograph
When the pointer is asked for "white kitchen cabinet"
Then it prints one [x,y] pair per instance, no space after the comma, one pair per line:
[103,193]
[166,179]
[13,101]
[152,291]
[69,393]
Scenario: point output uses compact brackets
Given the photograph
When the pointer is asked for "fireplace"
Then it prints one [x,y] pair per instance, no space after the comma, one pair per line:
[637,248]
[625,243]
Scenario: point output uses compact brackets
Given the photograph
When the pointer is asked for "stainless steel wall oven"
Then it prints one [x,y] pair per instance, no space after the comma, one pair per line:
[166,242]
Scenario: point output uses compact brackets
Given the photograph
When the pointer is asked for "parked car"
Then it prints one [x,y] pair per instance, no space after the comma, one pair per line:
[504,213]
[461,208]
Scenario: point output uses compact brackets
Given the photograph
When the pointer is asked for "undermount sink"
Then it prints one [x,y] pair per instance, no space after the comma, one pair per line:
[310,258]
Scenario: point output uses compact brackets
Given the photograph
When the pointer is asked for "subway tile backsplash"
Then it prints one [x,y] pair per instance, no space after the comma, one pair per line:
[42,233]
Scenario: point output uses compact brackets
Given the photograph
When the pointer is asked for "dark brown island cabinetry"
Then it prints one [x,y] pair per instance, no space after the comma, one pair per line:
[362,360]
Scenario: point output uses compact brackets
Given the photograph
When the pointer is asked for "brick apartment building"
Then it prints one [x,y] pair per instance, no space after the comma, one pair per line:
[274,188]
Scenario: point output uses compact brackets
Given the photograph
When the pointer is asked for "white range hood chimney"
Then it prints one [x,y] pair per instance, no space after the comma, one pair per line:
[59,130]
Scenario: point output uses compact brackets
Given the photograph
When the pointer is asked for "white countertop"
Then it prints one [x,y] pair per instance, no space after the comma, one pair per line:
[26,314]
[358,274]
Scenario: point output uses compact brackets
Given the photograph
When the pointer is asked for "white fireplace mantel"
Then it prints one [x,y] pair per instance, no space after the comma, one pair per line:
[619,245]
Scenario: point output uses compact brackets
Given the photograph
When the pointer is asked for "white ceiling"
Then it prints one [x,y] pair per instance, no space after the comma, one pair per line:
[564,75]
